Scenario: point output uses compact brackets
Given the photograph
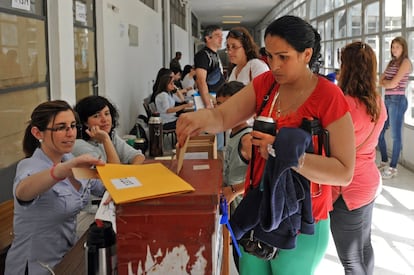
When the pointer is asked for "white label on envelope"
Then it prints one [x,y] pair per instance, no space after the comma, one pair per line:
[123,183]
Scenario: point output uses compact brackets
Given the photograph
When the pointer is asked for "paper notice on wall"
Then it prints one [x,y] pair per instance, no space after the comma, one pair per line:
[80,12]
[21,4]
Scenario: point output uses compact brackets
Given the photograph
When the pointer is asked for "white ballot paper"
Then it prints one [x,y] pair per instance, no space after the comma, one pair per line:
[106,212]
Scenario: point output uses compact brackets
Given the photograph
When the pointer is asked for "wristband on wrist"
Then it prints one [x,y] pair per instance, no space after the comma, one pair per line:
[232,189]
[52,174]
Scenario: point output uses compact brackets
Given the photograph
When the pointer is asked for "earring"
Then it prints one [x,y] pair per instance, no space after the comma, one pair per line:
[40,140]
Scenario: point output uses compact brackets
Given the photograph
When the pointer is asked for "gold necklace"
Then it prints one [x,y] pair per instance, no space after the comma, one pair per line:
[279,110]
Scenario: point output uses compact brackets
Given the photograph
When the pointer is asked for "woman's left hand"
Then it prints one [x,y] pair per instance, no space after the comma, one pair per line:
[97,134]
[263,141]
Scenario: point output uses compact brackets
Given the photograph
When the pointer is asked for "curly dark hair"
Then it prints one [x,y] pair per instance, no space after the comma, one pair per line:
[89,106]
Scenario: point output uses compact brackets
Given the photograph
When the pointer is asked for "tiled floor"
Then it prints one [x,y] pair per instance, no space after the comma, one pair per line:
[392,231]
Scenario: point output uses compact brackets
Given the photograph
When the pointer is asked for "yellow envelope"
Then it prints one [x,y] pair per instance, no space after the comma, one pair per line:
[128,183]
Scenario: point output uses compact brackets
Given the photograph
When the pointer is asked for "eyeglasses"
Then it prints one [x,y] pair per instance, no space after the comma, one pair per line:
[233,47]
[63,128]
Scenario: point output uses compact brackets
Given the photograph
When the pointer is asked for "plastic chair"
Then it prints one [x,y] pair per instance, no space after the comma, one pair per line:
[171,133]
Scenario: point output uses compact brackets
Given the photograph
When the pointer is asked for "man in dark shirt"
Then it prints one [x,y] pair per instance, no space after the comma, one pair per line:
[209,75]
[175,62]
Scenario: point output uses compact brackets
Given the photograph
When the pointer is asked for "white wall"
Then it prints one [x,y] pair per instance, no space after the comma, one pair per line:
[125,72]
[61,50]
[407,155]
[179,42]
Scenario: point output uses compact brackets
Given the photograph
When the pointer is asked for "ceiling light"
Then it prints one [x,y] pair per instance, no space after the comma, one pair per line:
[232,16]
[230,22]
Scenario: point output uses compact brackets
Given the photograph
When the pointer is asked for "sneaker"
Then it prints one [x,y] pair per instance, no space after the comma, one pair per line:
[389,173]
[382,166]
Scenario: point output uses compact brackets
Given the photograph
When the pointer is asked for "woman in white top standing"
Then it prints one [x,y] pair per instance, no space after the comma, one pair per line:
[244,54]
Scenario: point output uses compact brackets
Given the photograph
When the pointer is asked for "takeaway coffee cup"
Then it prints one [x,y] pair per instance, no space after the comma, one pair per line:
[265,125]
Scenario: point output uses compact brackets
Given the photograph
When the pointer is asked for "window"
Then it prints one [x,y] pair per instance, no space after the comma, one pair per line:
[338,47]
[329,55]
[355,26]
[177,14]
[340,24]
[393,15]
[321,29]
[25,82]
[372,18]
[84,48]
[149,3]
[339,3]
[410,13]
[312,9]
[328,29]
[409,114]
[374,42]
[194,26]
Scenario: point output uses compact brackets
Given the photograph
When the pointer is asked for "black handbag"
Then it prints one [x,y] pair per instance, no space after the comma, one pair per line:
[258,248]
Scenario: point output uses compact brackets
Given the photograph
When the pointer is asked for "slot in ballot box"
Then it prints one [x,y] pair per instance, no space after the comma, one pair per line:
[178,234]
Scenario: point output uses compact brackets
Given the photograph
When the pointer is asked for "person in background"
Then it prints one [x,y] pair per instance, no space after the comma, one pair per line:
[334,76]
[295,92]
[209,71]
[162,71]
[47,197]
[98,137]
[394,80]
[353,205]
[209,75]
[177,78]
[263,55]
[175,62]
[166,99]
[188,77]
[243,53]
[237,155]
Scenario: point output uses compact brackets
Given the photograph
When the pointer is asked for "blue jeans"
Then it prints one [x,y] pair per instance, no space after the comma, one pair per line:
[396,106]
[220,141]
[351,232]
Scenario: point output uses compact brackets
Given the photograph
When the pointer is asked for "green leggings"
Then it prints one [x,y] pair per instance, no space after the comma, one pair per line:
[302,260]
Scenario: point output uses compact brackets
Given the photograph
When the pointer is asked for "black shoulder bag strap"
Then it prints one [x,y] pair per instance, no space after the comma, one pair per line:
[264,102]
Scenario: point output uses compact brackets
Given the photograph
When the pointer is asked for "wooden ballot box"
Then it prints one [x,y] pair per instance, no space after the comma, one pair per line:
[178,234]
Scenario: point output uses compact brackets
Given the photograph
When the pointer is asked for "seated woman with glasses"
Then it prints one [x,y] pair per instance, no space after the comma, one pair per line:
[98,137]
[244,54]
[166,98]
[47,197]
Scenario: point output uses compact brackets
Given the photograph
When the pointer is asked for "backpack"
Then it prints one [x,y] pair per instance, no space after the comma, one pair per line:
[140,126]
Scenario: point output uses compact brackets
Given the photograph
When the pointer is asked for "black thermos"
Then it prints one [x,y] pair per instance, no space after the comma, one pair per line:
[100,249]
[156,135]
